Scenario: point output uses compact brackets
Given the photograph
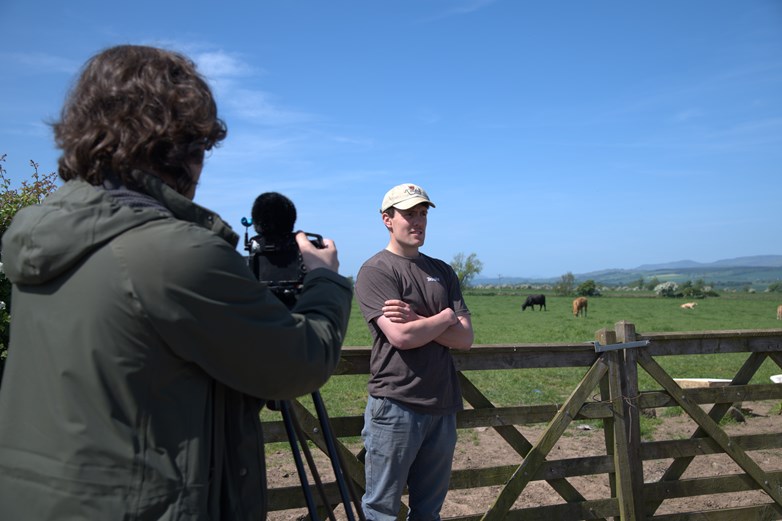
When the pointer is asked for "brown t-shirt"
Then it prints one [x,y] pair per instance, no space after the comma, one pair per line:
[424,378]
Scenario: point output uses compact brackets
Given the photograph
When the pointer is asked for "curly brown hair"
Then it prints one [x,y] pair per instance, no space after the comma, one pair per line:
[136,107]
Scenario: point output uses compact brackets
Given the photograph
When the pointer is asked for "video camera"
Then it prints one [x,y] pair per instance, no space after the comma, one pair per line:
[274,255]
[275,258]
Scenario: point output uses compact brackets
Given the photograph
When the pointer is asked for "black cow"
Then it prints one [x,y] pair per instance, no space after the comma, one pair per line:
[534,300]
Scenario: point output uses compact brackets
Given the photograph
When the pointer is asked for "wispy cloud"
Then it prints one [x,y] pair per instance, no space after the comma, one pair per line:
[232,78]
[428,116]
[220,64]
[42,62]
[685,115]
[459,8]
[469,6]
[258,107]
[750,133]
[34,129]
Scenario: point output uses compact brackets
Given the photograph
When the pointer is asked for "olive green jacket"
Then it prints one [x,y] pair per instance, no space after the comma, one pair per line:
[141,351]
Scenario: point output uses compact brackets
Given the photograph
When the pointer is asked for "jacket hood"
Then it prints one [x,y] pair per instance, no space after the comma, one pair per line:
[45,240]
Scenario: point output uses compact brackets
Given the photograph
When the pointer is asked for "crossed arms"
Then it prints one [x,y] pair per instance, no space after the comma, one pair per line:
[405,329]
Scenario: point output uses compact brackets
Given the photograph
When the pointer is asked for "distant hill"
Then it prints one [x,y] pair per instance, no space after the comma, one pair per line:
[757,271]
[757,261]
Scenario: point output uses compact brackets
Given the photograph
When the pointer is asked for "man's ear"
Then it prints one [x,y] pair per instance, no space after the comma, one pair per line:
[386,220]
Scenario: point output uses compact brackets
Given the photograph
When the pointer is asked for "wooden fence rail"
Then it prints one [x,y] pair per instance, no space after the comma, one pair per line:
[611,372]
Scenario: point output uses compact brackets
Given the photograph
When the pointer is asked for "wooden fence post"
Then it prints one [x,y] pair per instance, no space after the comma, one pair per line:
[605,337]
[625,332]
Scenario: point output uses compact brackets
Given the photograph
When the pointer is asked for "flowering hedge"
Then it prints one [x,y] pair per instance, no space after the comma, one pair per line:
[667,289]
[11,201]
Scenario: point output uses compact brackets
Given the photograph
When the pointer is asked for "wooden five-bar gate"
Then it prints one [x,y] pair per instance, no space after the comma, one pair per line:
[611,363]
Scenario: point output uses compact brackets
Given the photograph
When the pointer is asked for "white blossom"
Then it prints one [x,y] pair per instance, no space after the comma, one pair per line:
[666,289]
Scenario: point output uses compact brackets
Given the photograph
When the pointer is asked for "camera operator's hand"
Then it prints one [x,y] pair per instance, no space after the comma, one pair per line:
[313,257]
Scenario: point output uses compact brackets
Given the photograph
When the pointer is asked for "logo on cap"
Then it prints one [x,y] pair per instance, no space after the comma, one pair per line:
[405,196]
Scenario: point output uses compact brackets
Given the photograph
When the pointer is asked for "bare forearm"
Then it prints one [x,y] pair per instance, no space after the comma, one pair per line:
[417,332]
[458,336]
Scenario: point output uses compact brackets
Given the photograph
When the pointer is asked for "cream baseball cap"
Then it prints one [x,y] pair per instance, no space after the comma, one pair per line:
[404,197]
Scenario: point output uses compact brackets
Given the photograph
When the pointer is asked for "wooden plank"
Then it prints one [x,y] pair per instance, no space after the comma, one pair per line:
[772,487]
[765,512]
[606,337]
[625,332]
[341,426]
[743,376]
[512,436]
[703,486]
[524,356]
[534,459]
[702,446]
[550,470]
[713,342]
[608,432]
[355,360]
[593,509]
[350,426]
[696,383]
[622,458]
[485,416]
[528,414]
[288,498]
[716,395]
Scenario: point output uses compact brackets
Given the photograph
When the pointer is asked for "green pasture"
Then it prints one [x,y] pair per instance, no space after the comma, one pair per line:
[498,319]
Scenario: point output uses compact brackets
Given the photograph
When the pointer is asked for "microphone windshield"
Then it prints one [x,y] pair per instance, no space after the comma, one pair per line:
[273,215]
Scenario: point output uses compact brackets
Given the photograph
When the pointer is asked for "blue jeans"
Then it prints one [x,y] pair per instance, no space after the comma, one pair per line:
[406,448]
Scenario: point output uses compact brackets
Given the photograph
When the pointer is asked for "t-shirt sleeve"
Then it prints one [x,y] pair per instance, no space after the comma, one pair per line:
[373,287]
[457,299]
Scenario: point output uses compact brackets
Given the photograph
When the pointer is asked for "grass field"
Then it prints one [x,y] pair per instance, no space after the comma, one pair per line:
[498,319]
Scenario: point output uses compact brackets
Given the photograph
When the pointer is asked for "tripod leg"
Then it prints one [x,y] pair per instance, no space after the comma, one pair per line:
[313,468]
[336,460]
[287,419]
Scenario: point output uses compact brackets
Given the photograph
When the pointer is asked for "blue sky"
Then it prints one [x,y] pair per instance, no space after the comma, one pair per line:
[553,136]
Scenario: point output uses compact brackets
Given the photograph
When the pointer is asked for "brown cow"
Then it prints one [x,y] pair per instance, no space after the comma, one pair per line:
[779,312]
[580,306]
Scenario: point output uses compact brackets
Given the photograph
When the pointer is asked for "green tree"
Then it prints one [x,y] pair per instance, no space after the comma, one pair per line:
[638,283]
[466,268]
[566,285]
[588,288]
[697,289]
[653,283]
[11,201]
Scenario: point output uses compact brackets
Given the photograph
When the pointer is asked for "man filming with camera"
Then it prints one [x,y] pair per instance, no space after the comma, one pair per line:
[142,347]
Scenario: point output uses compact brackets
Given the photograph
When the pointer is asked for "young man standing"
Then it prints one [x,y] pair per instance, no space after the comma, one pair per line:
[416,314]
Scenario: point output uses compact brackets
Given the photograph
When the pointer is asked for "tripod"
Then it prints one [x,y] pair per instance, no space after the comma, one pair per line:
[297,441]
[276,260]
